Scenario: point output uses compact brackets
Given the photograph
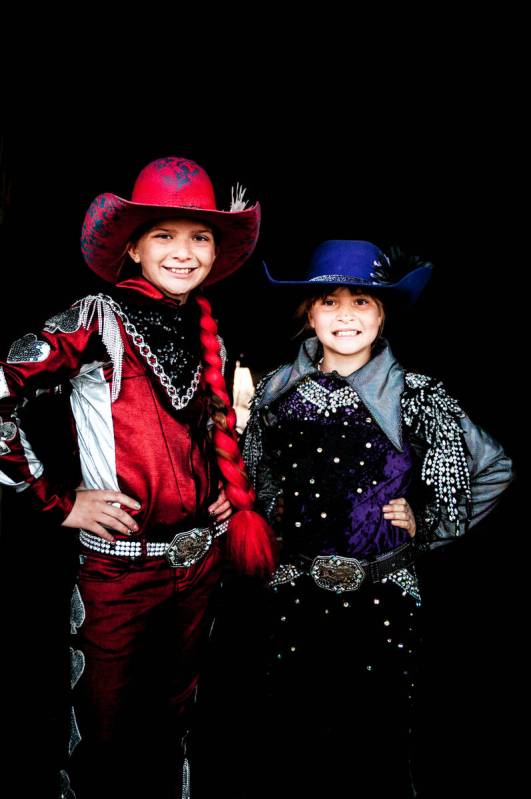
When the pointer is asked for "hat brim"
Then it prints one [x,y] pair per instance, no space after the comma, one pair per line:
[111,220]
[405,291]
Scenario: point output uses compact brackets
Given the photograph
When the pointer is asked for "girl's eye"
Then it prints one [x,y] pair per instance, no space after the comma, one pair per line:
[328,301]
[162,235]
[362,299]
[201,237]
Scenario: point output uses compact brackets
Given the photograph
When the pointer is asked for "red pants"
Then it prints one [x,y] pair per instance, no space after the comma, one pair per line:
[144,631]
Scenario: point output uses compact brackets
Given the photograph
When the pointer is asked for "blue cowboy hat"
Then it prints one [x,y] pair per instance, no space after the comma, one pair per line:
[342,262]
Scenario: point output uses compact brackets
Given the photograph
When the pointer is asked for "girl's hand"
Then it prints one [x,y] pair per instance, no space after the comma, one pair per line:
[400,510]
[221,509]
[95,509]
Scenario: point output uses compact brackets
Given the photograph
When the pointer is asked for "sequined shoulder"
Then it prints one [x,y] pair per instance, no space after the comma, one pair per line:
[268,386]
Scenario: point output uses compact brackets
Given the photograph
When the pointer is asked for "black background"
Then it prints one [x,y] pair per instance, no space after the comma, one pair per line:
[439,185]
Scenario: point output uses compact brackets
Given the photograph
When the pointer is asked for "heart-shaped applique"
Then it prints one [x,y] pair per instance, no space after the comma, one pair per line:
[28,349]
[67,322]
[8,431]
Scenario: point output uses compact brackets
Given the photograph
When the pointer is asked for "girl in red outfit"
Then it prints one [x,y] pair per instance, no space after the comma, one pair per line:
[161,472]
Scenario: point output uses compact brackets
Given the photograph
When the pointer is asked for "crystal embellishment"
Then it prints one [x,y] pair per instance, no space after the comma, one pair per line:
[8,431]
[326,400]
[28,349]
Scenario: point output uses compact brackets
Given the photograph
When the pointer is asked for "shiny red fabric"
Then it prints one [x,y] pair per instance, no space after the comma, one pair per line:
[162,458]
[143,637]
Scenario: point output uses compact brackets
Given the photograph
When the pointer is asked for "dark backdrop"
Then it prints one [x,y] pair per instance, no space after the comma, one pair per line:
[429,188]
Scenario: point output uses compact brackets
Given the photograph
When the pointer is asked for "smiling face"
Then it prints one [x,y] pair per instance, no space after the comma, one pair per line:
[176,255]
[346,323]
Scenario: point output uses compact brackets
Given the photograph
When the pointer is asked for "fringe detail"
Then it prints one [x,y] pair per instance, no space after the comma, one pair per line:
[185,793]
[109,330]
[237,203]
[431,413]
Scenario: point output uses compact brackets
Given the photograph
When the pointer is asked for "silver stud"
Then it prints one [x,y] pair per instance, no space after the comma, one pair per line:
[319,449]
[359,490]
[336,460]
[323,515]
[317,495]
[295,493]
[298,524]
[376,601]
[362,463]
[368,445]
[387,622]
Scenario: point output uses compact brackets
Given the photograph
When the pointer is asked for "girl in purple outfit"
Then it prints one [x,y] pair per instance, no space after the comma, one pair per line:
[341,444]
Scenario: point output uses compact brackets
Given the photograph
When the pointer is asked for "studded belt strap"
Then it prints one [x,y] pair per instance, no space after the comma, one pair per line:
[337,573]
[185,549]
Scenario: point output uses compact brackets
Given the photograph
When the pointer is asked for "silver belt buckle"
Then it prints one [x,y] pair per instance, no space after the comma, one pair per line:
[189,547]
[336,573]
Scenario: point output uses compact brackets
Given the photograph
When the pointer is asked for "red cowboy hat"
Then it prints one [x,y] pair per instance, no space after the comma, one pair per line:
[167,187]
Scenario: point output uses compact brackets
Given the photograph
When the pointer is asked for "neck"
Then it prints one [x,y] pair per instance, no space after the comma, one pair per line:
[345,364]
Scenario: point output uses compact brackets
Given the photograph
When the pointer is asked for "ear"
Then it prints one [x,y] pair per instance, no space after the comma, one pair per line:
[310,319]
[132,251]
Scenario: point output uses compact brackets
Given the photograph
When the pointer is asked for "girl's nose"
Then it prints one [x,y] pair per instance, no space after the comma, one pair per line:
[181,251]
[345,313]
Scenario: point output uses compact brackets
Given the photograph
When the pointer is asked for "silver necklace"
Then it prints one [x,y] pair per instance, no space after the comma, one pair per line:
[151,359]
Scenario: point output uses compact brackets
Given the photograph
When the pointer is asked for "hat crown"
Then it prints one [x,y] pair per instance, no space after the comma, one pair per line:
[173,181]
[355,259]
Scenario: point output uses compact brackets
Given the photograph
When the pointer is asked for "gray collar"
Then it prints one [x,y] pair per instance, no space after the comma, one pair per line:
[379,383]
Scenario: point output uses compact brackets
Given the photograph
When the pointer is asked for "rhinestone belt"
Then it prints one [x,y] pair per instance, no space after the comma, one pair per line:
[184,550]
[337,573]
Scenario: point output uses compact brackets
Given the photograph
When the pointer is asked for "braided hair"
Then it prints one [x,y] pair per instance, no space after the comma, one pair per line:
[250,541]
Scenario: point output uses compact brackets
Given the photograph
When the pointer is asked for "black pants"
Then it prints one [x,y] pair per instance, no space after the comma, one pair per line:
[322,693]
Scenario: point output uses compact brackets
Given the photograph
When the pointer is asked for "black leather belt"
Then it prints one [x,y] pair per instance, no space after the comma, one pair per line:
[337,573]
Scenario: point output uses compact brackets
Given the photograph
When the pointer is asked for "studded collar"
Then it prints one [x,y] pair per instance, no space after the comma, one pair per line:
[379,383]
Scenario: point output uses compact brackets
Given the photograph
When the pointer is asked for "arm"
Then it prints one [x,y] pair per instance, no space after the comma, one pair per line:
[259,465]
[491,472]
[35,363]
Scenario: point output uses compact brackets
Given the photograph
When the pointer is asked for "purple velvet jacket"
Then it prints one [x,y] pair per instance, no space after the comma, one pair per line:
[322,478]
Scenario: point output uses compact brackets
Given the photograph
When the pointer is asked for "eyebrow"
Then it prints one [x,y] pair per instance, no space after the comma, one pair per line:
[170,230]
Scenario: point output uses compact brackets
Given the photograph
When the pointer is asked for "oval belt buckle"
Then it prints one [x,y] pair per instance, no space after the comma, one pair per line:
[187,548]
[335,573]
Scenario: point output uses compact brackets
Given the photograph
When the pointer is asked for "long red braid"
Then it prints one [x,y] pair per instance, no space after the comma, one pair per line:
[250,539]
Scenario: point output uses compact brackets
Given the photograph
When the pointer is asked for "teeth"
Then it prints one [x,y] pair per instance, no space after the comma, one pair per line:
[182,270]
[346,333]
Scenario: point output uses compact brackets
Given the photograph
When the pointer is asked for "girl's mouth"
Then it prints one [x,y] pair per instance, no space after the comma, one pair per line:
[180,270]
[347,332]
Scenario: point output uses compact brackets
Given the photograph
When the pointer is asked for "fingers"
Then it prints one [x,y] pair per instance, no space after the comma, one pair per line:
[121,521]
[100,531]
[225,515]
[123,499]
[219,507]
[400,513]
